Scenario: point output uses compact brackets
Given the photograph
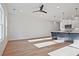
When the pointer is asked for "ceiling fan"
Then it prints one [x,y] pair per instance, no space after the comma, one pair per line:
[41,9]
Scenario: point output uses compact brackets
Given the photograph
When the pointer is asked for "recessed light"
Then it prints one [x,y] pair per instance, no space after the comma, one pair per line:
[20,10]
[58,6]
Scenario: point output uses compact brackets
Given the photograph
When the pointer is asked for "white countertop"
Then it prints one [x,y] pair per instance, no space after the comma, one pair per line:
[67,31]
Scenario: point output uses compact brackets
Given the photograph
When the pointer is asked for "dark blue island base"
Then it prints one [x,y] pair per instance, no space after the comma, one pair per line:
[70,35]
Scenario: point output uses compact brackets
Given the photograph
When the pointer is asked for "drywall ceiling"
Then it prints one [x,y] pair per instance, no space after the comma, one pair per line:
[53,9]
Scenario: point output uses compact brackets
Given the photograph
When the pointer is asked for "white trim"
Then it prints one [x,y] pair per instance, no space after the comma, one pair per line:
[2,24]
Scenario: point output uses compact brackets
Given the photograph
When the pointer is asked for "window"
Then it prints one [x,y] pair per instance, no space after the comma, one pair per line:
[1,23]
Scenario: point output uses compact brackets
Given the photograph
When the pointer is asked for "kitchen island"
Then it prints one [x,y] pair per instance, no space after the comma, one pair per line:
[66,35]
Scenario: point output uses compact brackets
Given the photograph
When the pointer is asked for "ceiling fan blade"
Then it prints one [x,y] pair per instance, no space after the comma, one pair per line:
[41,8]
[36,11]
[44,11]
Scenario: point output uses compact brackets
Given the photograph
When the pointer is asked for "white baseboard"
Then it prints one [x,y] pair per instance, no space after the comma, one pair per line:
[27,38]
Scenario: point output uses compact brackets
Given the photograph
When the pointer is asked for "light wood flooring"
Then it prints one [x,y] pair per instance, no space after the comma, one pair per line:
[25,48]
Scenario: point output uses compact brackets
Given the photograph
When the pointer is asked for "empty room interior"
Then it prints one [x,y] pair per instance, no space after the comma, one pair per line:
[39,29]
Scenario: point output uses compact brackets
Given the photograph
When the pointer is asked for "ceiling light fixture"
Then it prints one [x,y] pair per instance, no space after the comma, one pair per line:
[21,11]
[76,15]
[41,9]
[76,9]
[62,15]
[58,7]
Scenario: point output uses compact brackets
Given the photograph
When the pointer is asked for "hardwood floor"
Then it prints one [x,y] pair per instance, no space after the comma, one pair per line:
[25,48]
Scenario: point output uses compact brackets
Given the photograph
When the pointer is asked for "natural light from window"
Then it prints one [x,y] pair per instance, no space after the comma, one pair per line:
[1,23]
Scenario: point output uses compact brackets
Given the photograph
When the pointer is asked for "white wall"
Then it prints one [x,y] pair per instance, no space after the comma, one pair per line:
[5,40]
[29,26]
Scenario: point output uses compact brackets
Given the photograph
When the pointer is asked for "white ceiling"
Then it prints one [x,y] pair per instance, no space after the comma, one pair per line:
[51,8]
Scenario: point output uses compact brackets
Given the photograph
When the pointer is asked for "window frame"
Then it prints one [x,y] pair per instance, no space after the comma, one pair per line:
[2,22]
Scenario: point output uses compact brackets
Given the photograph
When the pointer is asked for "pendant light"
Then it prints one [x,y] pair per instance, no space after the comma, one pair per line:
[62,15]
[54,19]
[76,9]
[76,15]
[14,11]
